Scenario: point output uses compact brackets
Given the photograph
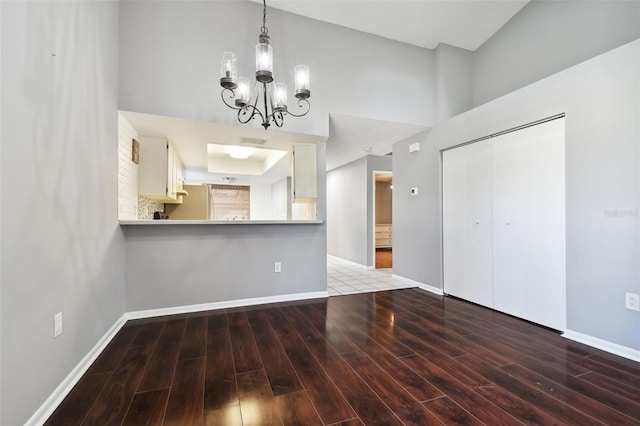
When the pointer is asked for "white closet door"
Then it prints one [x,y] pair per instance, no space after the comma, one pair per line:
[467,222]
[529,224]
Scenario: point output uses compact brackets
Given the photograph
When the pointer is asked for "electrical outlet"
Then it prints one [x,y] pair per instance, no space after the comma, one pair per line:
[632,301]
[57,324]
[277,267]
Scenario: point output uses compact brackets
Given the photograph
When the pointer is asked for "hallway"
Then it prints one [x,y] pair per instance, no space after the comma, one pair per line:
[345,277]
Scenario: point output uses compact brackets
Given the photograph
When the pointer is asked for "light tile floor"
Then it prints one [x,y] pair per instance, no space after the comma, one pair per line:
[349,278]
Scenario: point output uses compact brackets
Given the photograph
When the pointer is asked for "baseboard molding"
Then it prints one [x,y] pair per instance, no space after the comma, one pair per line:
[352,263]
[150,313]
[63,389]
[420,285]
[605,345]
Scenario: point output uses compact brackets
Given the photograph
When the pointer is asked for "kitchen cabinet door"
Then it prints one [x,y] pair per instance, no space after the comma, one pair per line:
[467,225]
[305,175]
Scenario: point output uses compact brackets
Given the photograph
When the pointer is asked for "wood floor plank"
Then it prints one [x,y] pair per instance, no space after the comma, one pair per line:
[481,408]
[185,405]
[220,389]
[584,396]
[297,409]
[451,413]
[282,376]
[115,351]
[162,365]
[77,403]
[217,321]
[147,408]
[150,333]
[245,352]
[612,386]
[393,357]
[407,408]
[257,404]
[330,403]
[364,401]
[550,404]
[111,407]
[194,342]
[225,416]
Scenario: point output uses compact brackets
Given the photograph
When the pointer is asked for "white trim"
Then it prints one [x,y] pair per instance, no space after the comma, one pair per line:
[63,389]
[149,313]
[420,285]
[605,345]
[359,265]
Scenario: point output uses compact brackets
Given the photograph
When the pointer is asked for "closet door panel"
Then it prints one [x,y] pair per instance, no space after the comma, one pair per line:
[467,223]
[529,224]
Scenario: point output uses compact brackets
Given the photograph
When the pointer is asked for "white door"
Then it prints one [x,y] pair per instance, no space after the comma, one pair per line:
[467,222]
[529,224]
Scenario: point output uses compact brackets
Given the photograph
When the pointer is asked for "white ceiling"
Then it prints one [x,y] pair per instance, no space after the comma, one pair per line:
[425,23]
[351,138]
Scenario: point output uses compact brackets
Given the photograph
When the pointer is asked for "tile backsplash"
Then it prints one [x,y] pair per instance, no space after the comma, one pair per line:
[147,207]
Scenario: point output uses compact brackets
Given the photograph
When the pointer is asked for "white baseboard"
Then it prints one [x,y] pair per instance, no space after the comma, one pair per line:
[351,263]
[605,345]
[63,389]
[149,313]
[420,285]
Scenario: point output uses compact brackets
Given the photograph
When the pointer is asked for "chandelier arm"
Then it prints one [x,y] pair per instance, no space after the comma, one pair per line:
[301,106]
[277,118]
[233,95]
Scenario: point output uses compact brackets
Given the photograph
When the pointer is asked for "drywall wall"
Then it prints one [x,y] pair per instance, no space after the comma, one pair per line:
[350,233]
[62,249]
[453,82]
[600,98]
[181,265]
[347,211]
[416,248]
[170,54]
[545,37]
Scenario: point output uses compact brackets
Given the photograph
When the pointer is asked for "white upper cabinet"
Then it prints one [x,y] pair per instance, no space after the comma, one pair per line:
[159,170]
[305,173]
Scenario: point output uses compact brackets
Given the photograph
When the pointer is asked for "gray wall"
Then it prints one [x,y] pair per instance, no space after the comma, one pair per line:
[170,55]
[170,266]
[453,80]
[416,248]
[62,249]
[350,233]
[600,98]
[548,36]
[347,211]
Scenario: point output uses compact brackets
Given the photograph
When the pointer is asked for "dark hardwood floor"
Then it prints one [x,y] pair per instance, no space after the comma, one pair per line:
[384,258]
[396,357]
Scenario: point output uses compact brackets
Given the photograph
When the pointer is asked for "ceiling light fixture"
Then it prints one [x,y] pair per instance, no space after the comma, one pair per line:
[273,95]
[240,152]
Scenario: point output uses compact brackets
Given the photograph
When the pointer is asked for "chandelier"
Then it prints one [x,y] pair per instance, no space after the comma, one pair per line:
[272,96]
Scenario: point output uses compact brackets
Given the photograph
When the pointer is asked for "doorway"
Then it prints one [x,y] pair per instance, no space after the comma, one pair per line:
[383,220]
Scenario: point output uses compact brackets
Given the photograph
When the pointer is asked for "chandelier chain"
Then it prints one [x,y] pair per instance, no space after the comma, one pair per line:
[264,28]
